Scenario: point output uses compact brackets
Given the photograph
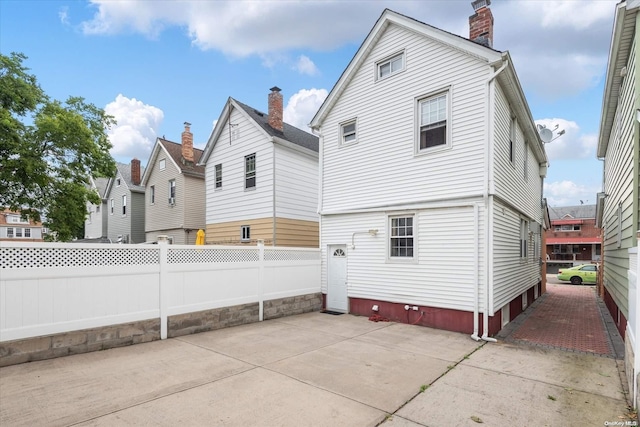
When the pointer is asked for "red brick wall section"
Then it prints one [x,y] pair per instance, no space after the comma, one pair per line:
[135,171]
[481,25]
[616,314]
[275,109]
[187,143]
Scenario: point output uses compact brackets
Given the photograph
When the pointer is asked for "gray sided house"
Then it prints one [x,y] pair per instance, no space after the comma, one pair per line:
[125,204]
[175,191]
[95,226]
[618,207]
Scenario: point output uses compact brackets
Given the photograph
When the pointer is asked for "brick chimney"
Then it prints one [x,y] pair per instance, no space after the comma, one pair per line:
[275,108]
[135,171]
[481,23]
[187,143]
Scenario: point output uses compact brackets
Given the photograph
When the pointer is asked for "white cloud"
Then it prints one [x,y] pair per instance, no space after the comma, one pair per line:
[306,66]
[568,193]
[136,130]
[573,145]
[63,14]
[302,106]
[559,47]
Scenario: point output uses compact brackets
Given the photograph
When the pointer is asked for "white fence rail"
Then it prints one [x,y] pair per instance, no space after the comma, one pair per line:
[48,288]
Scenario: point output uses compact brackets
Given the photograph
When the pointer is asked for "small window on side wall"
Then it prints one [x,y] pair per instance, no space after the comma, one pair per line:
[348,132]
[390,66]
[250,171]
[245,233]
[512,140]
[433,122]
[163,164]
[401,237]
[219,175]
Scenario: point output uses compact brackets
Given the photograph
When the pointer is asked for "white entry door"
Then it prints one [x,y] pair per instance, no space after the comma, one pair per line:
[337,278]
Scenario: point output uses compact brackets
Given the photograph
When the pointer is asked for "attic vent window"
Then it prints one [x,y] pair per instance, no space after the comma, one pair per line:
[390,66]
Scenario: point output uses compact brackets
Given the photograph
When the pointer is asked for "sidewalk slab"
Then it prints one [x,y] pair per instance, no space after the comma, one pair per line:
[368,373]
[254,398]
[74,388]
[578,371]
[468,395]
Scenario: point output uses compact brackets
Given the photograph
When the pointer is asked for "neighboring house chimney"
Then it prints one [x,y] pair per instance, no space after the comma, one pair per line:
[275,108]
[187,143]
[481,23]
[135,171]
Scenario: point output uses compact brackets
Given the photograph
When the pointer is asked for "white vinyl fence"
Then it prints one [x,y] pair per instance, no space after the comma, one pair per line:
[49,288]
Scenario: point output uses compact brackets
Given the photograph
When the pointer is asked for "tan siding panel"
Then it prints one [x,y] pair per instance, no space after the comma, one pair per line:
[229,232]
[294,232]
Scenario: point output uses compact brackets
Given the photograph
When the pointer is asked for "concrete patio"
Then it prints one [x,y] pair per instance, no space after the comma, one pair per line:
[315,369]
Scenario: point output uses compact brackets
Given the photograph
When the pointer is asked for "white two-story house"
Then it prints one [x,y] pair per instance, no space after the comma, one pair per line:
[261,178]
[431,172]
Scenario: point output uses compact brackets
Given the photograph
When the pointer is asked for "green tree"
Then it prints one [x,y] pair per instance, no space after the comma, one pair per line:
[48,151]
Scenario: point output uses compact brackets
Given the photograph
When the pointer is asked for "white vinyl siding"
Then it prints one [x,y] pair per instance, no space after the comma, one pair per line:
[366,175]
[506,256]
[234,203]
[443,275]
[621,203]
[523,190]
[296,185]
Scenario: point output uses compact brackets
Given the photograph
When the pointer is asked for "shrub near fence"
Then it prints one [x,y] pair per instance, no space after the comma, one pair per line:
[58,299]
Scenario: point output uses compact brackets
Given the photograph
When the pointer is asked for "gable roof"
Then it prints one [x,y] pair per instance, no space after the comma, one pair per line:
[574,212]
[621,41]
[494,58]
[290,133]
[101,185]
[174,152]
[125,172]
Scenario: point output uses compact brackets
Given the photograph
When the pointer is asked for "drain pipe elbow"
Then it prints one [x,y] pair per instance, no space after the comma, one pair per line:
[475,337]
[489,339]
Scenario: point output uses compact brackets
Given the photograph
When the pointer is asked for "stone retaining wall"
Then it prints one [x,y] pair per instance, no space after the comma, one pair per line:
[82,341]
[86,340]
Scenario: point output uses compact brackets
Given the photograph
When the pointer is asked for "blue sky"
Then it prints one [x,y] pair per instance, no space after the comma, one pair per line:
[155,65]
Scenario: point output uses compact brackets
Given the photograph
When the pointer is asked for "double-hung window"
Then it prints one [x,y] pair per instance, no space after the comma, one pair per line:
[112,205]
[512,140]
[124,205]
[152,194]
[18,232]
[250,171]
[348,132]
[401,237]
[27,232]
[390,66]
[219,175]
[524,235]
[172,192]
[433,121]
[10,232]
[245,233]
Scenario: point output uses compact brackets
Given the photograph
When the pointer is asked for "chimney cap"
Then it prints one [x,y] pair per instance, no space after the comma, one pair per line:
[187,124]
[479,4]
[275,89]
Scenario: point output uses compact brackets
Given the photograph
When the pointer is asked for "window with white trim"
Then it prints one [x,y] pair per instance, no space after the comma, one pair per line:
[219,175]
[17,219]
[245,233]
[27,232]
[10,232]
[348,132]
[432,122]
[117,182]
[512,140]
[401,237]
[162,164]
[18,232]
[524,237]
[390,66]
[113,204]
[250,171]
[124,205]
[172,191]
[152,194]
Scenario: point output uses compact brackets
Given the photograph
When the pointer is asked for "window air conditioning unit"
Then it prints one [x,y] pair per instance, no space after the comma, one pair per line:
[172,201]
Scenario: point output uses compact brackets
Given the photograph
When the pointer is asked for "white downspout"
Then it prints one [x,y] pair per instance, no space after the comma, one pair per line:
[320,166]
[476,266]
[488,165]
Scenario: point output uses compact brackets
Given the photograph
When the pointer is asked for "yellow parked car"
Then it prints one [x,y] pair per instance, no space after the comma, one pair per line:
[585,273]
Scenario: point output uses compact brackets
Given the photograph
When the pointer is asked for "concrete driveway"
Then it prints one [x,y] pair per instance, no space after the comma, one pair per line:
[315,370]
